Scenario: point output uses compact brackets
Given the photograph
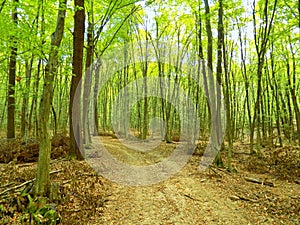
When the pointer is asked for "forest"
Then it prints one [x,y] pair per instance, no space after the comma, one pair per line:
[150,112]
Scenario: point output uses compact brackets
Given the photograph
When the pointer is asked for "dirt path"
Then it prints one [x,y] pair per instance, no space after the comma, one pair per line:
[180,200]
[186,198]
[190,196]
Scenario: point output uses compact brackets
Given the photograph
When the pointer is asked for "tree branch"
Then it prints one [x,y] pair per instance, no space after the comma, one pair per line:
[25,183]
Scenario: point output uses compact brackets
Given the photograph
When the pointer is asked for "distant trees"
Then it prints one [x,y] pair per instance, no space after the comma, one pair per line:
[250,50]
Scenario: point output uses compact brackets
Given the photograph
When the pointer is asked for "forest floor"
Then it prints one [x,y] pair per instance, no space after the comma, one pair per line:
[191,196]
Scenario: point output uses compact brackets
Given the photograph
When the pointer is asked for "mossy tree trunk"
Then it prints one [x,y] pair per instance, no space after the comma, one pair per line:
[42,184]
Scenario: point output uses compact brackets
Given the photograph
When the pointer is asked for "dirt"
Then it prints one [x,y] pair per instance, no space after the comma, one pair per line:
[179,200]
[191,196]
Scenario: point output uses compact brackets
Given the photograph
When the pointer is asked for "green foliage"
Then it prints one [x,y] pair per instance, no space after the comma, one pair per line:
[40,212]
[174,22]
[25,209]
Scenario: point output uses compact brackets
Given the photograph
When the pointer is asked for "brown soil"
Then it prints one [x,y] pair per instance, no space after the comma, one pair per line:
[213,196]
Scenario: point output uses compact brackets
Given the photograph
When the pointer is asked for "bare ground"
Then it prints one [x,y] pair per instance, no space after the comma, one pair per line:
[212,196]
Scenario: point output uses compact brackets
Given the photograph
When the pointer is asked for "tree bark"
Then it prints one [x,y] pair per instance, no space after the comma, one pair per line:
[212,96]
[12,80]
[88,76]
[24,111]
[75,104]
[42,184]
[218,127]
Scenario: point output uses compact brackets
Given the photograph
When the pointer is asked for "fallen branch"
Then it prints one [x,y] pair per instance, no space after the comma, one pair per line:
[7,185]
[235,198]
[25,183]
[258,181]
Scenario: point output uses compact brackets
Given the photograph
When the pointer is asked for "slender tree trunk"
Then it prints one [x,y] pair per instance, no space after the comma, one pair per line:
[88,76]
[275,89]
[42,184]
[24,112]
[12,79]
[211,88]
[278,111]
[218,127]
[125,124]
[292,89]
[95,99]
[202,69]
[145,90]
[33,114]
[247,85]
[261,41]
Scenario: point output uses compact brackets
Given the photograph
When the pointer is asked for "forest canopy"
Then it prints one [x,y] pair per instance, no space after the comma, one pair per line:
[187,73]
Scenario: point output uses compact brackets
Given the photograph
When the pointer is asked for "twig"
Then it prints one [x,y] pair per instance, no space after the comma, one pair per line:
[25,165]
[212,169]
[16,187]
[247,199]
[66,182]
[258,181]
[190,197]
[235,198]
[220,169]
[6,185]
[25,183]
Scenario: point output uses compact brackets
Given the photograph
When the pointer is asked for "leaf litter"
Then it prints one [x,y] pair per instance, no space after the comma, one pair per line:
[213,196]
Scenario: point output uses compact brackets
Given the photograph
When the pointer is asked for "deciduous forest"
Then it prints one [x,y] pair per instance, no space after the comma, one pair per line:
[150,112]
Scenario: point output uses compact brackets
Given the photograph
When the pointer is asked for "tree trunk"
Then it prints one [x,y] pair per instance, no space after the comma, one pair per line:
[218,127]
[75,104]
[95,99]
[261,40]
[24,111]
[212,100]
[88,76]
[292,87]
[12,80]
[42,184]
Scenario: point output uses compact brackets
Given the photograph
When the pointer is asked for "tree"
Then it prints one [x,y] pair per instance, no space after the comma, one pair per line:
[214,92]
[219,82]
[261,38]
[88,74]
[75,104]
[42,184]
[12,78]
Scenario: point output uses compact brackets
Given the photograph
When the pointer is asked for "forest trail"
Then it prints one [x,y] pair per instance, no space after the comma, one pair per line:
[212,196]
[185,198]
[178,200]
